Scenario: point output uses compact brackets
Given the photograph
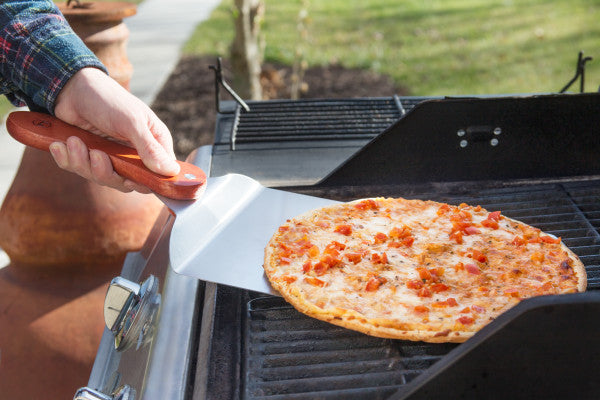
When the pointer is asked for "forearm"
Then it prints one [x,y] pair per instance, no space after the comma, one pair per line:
[39,52]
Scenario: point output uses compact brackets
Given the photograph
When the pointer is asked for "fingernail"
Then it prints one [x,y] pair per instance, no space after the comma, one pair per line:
[95,158]
[56,149]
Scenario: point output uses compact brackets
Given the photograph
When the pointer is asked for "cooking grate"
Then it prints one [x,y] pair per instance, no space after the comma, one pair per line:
[288,355]
[309,120]
[291,356]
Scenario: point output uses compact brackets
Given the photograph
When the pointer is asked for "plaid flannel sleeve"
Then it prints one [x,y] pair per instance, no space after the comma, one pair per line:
[39,52]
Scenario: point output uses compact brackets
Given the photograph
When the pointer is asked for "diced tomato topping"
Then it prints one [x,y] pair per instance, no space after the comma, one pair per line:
[472,269]
[313,252]
[494,216]
[421,309]
[465,310]
[439,304]
[424,292]
[296,248]
[330,260]
[424,273]
[512,293]
[439,287]
[354,257]
[380,238]
[550,239]
[374,283]
[414,284]
[444,208]
[285,260]
[464,214]
[343,229]
[284,250]
[457,237]
[368,204]
[466,320]
[400,233]
[439,271]
[379,259]
[408,242]
[306,266]
[336,245]
[451,302]
[488,223]
[288,278]
[519,241]
[471,230]
[477,256]
[314,281]
[320,268]
[284,228]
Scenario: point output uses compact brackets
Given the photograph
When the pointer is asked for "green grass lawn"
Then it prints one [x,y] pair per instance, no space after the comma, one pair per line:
[432,47]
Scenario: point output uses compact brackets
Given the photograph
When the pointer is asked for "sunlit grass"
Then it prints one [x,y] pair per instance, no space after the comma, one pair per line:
[432,47]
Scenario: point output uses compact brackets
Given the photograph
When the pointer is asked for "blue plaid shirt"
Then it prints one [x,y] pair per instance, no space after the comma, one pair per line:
[39,52]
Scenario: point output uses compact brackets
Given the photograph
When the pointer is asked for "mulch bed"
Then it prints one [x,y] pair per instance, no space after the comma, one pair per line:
[186,103]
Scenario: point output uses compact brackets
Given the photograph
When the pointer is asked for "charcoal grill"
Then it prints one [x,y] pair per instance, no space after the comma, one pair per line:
[533,157]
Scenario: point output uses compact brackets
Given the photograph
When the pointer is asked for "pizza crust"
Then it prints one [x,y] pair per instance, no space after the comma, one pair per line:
[381,326]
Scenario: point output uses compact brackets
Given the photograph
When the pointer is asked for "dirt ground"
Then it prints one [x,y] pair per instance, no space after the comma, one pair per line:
[186,103]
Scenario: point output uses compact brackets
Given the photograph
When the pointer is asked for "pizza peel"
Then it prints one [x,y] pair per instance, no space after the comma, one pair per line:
[222,224]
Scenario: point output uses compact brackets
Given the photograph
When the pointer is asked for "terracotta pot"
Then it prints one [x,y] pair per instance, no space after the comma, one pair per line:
[51,325]
[101,27]
[51,217]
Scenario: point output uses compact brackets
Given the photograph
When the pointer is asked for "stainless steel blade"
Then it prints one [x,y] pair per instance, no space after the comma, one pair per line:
[222,236]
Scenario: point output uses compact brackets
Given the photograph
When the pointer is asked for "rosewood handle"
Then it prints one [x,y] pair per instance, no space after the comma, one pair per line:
[40,130]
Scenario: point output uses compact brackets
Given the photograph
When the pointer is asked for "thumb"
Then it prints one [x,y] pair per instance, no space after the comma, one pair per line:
[155,157]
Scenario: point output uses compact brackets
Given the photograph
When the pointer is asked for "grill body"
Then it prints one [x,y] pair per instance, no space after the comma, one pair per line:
[541,169]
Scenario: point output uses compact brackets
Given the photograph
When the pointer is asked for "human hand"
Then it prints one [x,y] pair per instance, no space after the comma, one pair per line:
[95,102]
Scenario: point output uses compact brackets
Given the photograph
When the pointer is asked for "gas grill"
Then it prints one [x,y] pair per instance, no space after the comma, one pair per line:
[535,158]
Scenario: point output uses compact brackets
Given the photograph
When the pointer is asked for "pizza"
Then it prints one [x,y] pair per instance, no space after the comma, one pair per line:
[413,269]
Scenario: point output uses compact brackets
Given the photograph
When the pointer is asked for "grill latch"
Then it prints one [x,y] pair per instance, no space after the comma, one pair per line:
[130,310]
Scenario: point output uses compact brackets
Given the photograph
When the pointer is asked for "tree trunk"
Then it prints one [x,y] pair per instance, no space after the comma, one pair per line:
[246,52]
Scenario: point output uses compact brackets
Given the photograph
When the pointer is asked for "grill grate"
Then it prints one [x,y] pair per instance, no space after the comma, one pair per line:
[288,355]
[310,120]
[291,356]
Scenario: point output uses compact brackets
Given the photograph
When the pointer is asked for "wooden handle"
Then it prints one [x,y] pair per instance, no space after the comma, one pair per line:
[40,130]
